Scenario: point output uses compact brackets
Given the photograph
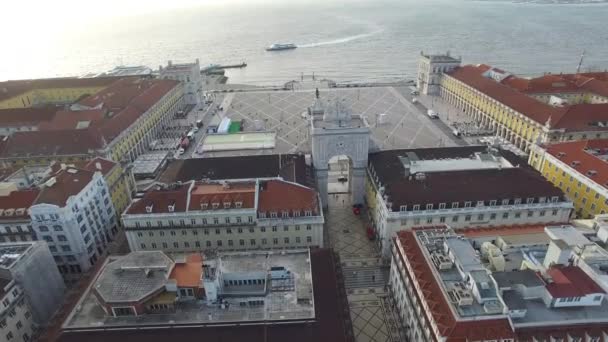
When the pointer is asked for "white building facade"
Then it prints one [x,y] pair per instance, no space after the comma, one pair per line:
[468,189]
[31,289]
[77,225]
[190,75]
[248,215]
[430,70]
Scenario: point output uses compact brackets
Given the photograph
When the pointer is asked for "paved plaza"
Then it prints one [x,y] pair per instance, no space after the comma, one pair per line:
[394,121]
[365,276]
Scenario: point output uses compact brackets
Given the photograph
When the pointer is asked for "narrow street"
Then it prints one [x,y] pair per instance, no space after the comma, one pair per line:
[365,276]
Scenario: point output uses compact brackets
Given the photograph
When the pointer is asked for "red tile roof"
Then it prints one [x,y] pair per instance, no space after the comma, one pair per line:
[16,200]
[126,100]
[440,312]
[100,164]
[26,116]
[10,89]
[279,196]
[472,232]
[217,193]
[596,83]
[161,199]
[582,152]
[68,119]
[51,143]
[188,274]
[68,183]
[571,281]
[524,104]
[512,93]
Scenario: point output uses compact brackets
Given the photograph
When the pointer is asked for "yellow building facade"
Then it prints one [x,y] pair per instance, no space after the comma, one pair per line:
[120,184]
[575,173]
[134,140]
[513,126]
[51,94]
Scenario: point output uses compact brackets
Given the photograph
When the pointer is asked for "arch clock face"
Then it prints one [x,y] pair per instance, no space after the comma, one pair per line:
[340,144]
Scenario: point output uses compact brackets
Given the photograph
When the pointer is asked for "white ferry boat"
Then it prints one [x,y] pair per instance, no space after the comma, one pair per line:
[277,47]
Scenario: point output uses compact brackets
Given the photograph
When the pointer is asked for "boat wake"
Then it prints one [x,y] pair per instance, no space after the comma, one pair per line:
[341,40]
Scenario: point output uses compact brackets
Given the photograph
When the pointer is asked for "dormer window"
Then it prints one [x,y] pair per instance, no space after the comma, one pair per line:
[493,202]
[238,205]
[403,208]
[479,204]
[591,173]
[226,205]
[215,205]
[530,200]
[416,207]
[149,208]
[171,208]
[273,214]
[429,206]
[467,204]
[262,214]
[454,205]
[575,163]
[204,205]
[285,214]
[296,213]
[505,202]
[518,201]
[441,205]
[542,200]
[308,213]
[554,199]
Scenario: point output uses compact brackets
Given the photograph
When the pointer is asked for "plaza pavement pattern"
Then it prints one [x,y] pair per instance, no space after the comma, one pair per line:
[394,121]
[365,276]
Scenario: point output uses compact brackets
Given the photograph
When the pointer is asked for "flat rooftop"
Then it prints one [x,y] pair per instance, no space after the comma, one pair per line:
[238,141]
[149,164]
[457,185]
[11,252]
[280,301]
[328,325]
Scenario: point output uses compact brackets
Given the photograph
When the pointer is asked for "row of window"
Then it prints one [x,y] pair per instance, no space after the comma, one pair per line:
[469,204]
[193,222]
[184,232]
[479,217]
[18,229]
[220,243]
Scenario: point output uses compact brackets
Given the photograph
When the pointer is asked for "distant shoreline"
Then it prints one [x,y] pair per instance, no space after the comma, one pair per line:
[551,2]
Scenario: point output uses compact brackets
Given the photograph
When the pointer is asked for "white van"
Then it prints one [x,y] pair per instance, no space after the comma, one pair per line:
[190,135]
[432,114]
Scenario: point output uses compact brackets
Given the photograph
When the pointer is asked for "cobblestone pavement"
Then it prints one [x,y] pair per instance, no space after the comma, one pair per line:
[365,277]
[394,121]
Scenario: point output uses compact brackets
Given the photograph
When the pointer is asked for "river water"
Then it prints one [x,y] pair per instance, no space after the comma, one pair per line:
[371,40]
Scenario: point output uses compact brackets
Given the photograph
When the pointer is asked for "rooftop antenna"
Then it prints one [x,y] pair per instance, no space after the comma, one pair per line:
[580,62]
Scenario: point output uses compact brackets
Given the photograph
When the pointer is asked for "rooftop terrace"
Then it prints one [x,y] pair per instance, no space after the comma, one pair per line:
[281,302]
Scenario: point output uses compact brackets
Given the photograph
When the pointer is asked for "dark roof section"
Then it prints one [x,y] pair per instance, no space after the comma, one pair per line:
[26,116]
[292,167]
[528,278]
[51,143]
[329,326]
[69,182]
[458,186]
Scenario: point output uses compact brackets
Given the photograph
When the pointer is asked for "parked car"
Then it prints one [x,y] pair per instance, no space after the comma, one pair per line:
[415,93]
[432,114]
[181,151]
[414,100]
